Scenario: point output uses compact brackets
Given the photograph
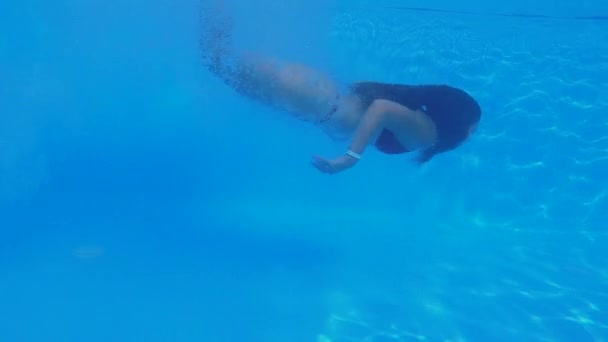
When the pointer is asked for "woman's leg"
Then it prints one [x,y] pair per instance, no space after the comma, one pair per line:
[296,88]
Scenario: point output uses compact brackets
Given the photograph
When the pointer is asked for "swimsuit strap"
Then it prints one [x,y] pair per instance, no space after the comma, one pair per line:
[333,110]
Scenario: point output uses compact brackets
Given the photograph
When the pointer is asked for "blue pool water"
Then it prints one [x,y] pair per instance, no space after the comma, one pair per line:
[143,200]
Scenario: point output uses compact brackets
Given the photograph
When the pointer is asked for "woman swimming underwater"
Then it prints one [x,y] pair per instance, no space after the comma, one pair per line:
[395,118]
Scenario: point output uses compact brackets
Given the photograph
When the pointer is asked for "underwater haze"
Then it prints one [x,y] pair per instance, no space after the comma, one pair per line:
[141,199]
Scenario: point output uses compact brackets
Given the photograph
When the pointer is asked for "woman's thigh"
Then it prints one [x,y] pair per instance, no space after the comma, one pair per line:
[291,86]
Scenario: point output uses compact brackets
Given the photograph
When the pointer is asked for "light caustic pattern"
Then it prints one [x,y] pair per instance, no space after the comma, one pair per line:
[536,171]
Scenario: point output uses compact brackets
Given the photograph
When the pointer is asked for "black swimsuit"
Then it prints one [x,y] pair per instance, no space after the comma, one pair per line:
[452,110]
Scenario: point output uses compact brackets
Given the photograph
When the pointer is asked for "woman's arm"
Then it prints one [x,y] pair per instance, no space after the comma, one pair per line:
[372,122]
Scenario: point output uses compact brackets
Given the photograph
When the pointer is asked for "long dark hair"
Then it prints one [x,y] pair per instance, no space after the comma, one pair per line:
[451,138]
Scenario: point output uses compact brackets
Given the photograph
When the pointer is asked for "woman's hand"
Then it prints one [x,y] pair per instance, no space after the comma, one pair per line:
[335,165]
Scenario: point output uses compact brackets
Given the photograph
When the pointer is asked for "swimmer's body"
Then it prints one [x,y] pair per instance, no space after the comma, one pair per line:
[395,118]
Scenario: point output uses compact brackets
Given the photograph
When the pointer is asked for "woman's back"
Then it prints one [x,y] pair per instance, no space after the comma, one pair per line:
[452,110]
